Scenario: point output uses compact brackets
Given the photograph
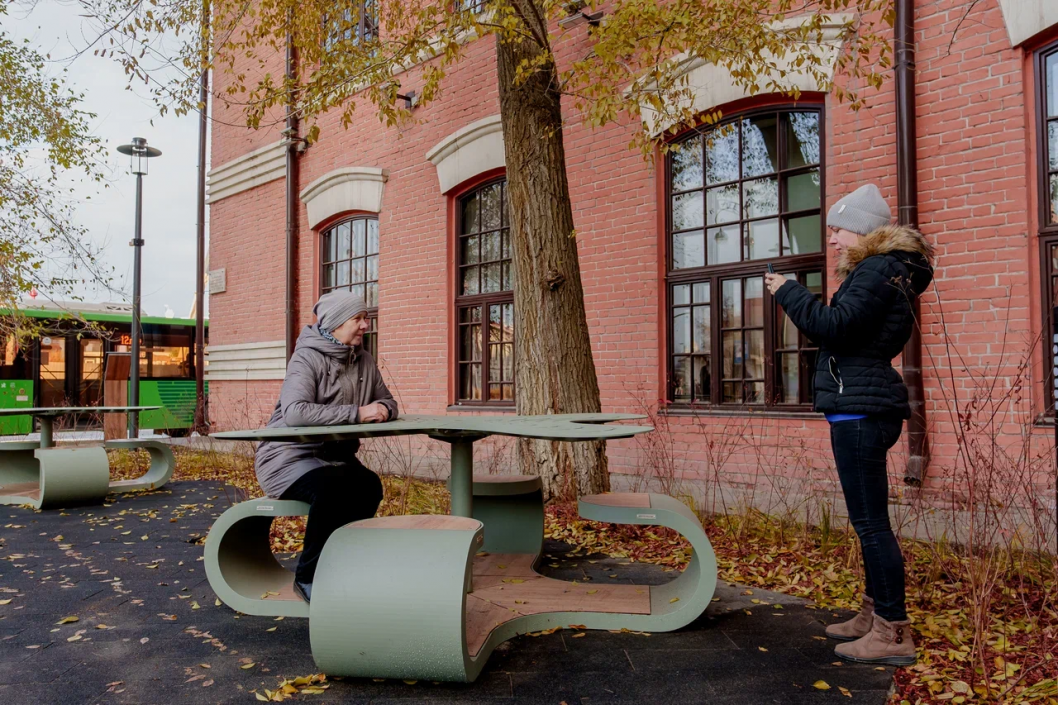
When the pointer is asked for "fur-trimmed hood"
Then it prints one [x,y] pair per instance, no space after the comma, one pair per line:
[893,239]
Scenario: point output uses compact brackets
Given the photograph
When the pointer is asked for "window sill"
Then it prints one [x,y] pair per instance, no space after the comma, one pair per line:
[466,408]
[678,411]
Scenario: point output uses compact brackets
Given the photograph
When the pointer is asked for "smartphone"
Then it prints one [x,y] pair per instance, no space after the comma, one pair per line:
[771,268]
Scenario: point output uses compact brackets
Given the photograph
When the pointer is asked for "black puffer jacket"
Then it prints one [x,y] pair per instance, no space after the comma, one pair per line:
[867,323]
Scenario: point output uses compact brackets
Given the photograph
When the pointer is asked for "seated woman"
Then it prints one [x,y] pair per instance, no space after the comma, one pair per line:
[330,379]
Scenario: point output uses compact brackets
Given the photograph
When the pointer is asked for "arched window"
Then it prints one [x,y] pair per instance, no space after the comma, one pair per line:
[349,260]
[484,298]
[741,194]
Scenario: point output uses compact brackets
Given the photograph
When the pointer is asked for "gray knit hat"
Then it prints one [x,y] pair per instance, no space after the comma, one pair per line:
[336,307]
[862,211]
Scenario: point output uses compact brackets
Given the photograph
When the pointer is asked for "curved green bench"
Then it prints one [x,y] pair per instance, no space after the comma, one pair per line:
[418,597]
[47,478]
[240,565]
[512,509]
[160,472]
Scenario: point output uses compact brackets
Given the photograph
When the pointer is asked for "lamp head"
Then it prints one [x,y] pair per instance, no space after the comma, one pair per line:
[139,153]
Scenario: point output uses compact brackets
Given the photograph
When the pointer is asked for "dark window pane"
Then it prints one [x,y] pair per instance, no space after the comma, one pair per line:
[802,139]
[1054,198]
[508,392]
[495,392]
[789,377]
[372,237]
[372,295]
[344,245]
[328,246]
[687,211]
[508,285]
[343,273]
[508,321]
[702,377]
[372,268]
[732,392]
[506,244]
[814,283]
[495,364]
[722,204]
[328,276]
[359,238]
[358,290]
[808,364]
[681,379]
[724,244]
[490,277]
[754,312]
[490,207]
[491,250]
[471,222]
[759,146]
[731,310]
[733,361]
[1054,259]
[470,281]
[508,362]
[761,198]
[701,293]
[700,325]
[495,326]
[471,314]
[687,165]
[802,236]
[722,154]
[471,250]
[681,294]
[762,239]
[787,337]
[755,354]
[802,191]
[681,331]
[755,392]
[356,269]
[688,250]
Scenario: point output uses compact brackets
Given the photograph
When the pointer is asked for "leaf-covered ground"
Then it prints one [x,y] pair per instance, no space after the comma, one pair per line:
[986,624]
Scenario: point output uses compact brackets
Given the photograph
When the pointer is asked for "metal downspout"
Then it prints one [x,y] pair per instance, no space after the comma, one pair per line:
[290,134]
[907,214]
[201,421]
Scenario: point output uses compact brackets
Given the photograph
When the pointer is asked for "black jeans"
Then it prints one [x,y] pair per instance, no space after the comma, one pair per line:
[337,495]
[859,451]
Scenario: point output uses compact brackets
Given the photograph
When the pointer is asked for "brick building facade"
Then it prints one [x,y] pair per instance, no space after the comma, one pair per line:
[672,253]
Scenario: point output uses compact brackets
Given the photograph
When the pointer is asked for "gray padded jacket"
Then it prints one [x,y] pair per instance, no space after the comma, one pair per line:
[325,385]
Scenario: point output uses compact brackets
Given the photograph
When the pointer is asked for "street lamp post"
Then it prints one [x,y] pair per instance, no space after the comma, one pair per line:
[138,153]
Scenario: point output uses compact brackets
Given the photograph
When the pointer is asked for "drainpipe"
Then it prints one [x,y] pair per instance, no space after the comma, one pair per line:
[291,133]
[907,214]
[201,422]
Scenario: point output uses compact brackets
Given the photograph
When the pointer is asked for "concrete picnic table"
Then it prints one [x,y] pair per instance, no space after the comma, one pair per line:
[44,476]
[431,597]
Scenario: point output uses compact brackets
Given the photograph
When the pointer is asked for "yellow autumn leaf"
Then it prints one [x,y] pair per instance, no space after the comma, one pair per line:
[152,567]
[260,697]
[69,620]
[821,685]
[592,592]
[6,602]
[845,692]
[289,689]
[102,626]
[75,637]
[675,599]
[247,666]
[411,682]
[270,630]
[762,649]
[579,635]
[216,603]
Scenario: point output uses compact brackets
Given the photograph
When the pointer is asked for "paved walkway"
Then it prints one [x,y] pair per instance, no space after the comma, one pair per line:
[136,568]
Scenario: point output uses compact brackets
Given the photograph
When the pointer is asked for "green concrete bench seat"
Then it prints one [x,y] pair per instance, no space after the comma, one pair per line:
[48,478]
[421,597]
[160,471]
[512,509]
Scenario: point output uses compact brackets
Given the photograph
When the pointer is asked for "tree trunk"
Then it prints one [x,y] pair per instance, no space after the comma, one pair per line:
[554,369]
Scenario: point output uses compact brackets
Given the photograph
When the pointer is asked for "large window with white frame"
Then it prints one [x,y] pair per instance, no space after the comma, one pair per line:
[739,195]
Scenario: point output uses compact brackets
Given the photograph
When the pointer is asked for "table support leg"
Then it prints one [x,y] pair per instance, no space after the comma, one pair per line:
[462,478]
[46,423]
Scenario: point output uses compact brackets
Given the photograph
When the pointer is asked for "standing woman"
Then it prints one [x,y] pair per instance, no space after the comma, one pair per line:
[882,268]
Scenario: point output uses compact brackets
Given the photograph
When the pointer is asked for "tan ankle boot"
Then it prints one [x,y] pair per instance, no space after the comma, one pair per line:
[889,643]
[857,626]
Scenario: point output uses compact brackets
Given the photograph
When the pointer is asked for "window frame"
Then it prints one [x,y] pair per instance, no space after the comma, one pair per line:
[798,264]
[1047,233]
[481,300]
[371,336]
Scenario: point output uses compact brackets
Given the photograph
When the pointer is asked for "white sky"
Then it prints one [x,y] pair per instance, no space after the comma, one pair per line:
[169,190]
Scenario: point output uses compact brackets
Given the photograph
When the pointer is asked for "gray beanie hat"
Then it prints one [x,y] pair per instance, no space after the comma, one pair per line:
[862,211]
[336,307]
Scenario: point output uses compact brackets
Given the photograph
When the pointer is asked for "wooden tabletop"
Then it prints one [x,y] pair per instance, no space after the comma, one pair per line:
[63,410]
[553,427]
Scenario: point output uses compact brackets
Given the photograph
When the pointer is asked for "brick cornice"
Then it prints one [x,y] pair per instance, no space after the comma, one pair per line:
[1027,18]
[352,188]
[243,173]
[468,152]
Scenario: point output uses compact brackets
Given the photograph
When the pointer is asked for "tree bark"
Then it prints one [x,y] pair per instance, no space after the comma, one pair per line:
[554,369]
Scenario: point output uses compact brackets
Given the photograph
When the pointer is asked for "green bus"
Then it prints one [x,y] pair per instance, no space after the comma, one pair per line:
[64,366]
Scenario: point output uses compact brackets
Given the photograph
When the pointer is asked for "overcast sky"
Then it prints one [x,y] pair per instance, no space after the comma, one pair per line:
[169,190]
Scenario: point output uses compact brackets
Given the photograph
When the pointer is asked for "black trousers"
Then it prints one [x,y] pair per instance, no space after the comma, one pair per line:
[860,447]
[337,495]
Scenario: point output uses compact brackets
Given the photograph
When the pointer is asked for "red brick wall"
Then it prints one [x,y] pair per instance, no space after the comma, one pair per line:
[978,320]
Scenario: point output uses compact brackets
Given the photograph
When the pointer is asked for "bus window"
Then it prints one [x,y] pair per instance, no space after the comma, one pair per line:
[52,371]
[13,363]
